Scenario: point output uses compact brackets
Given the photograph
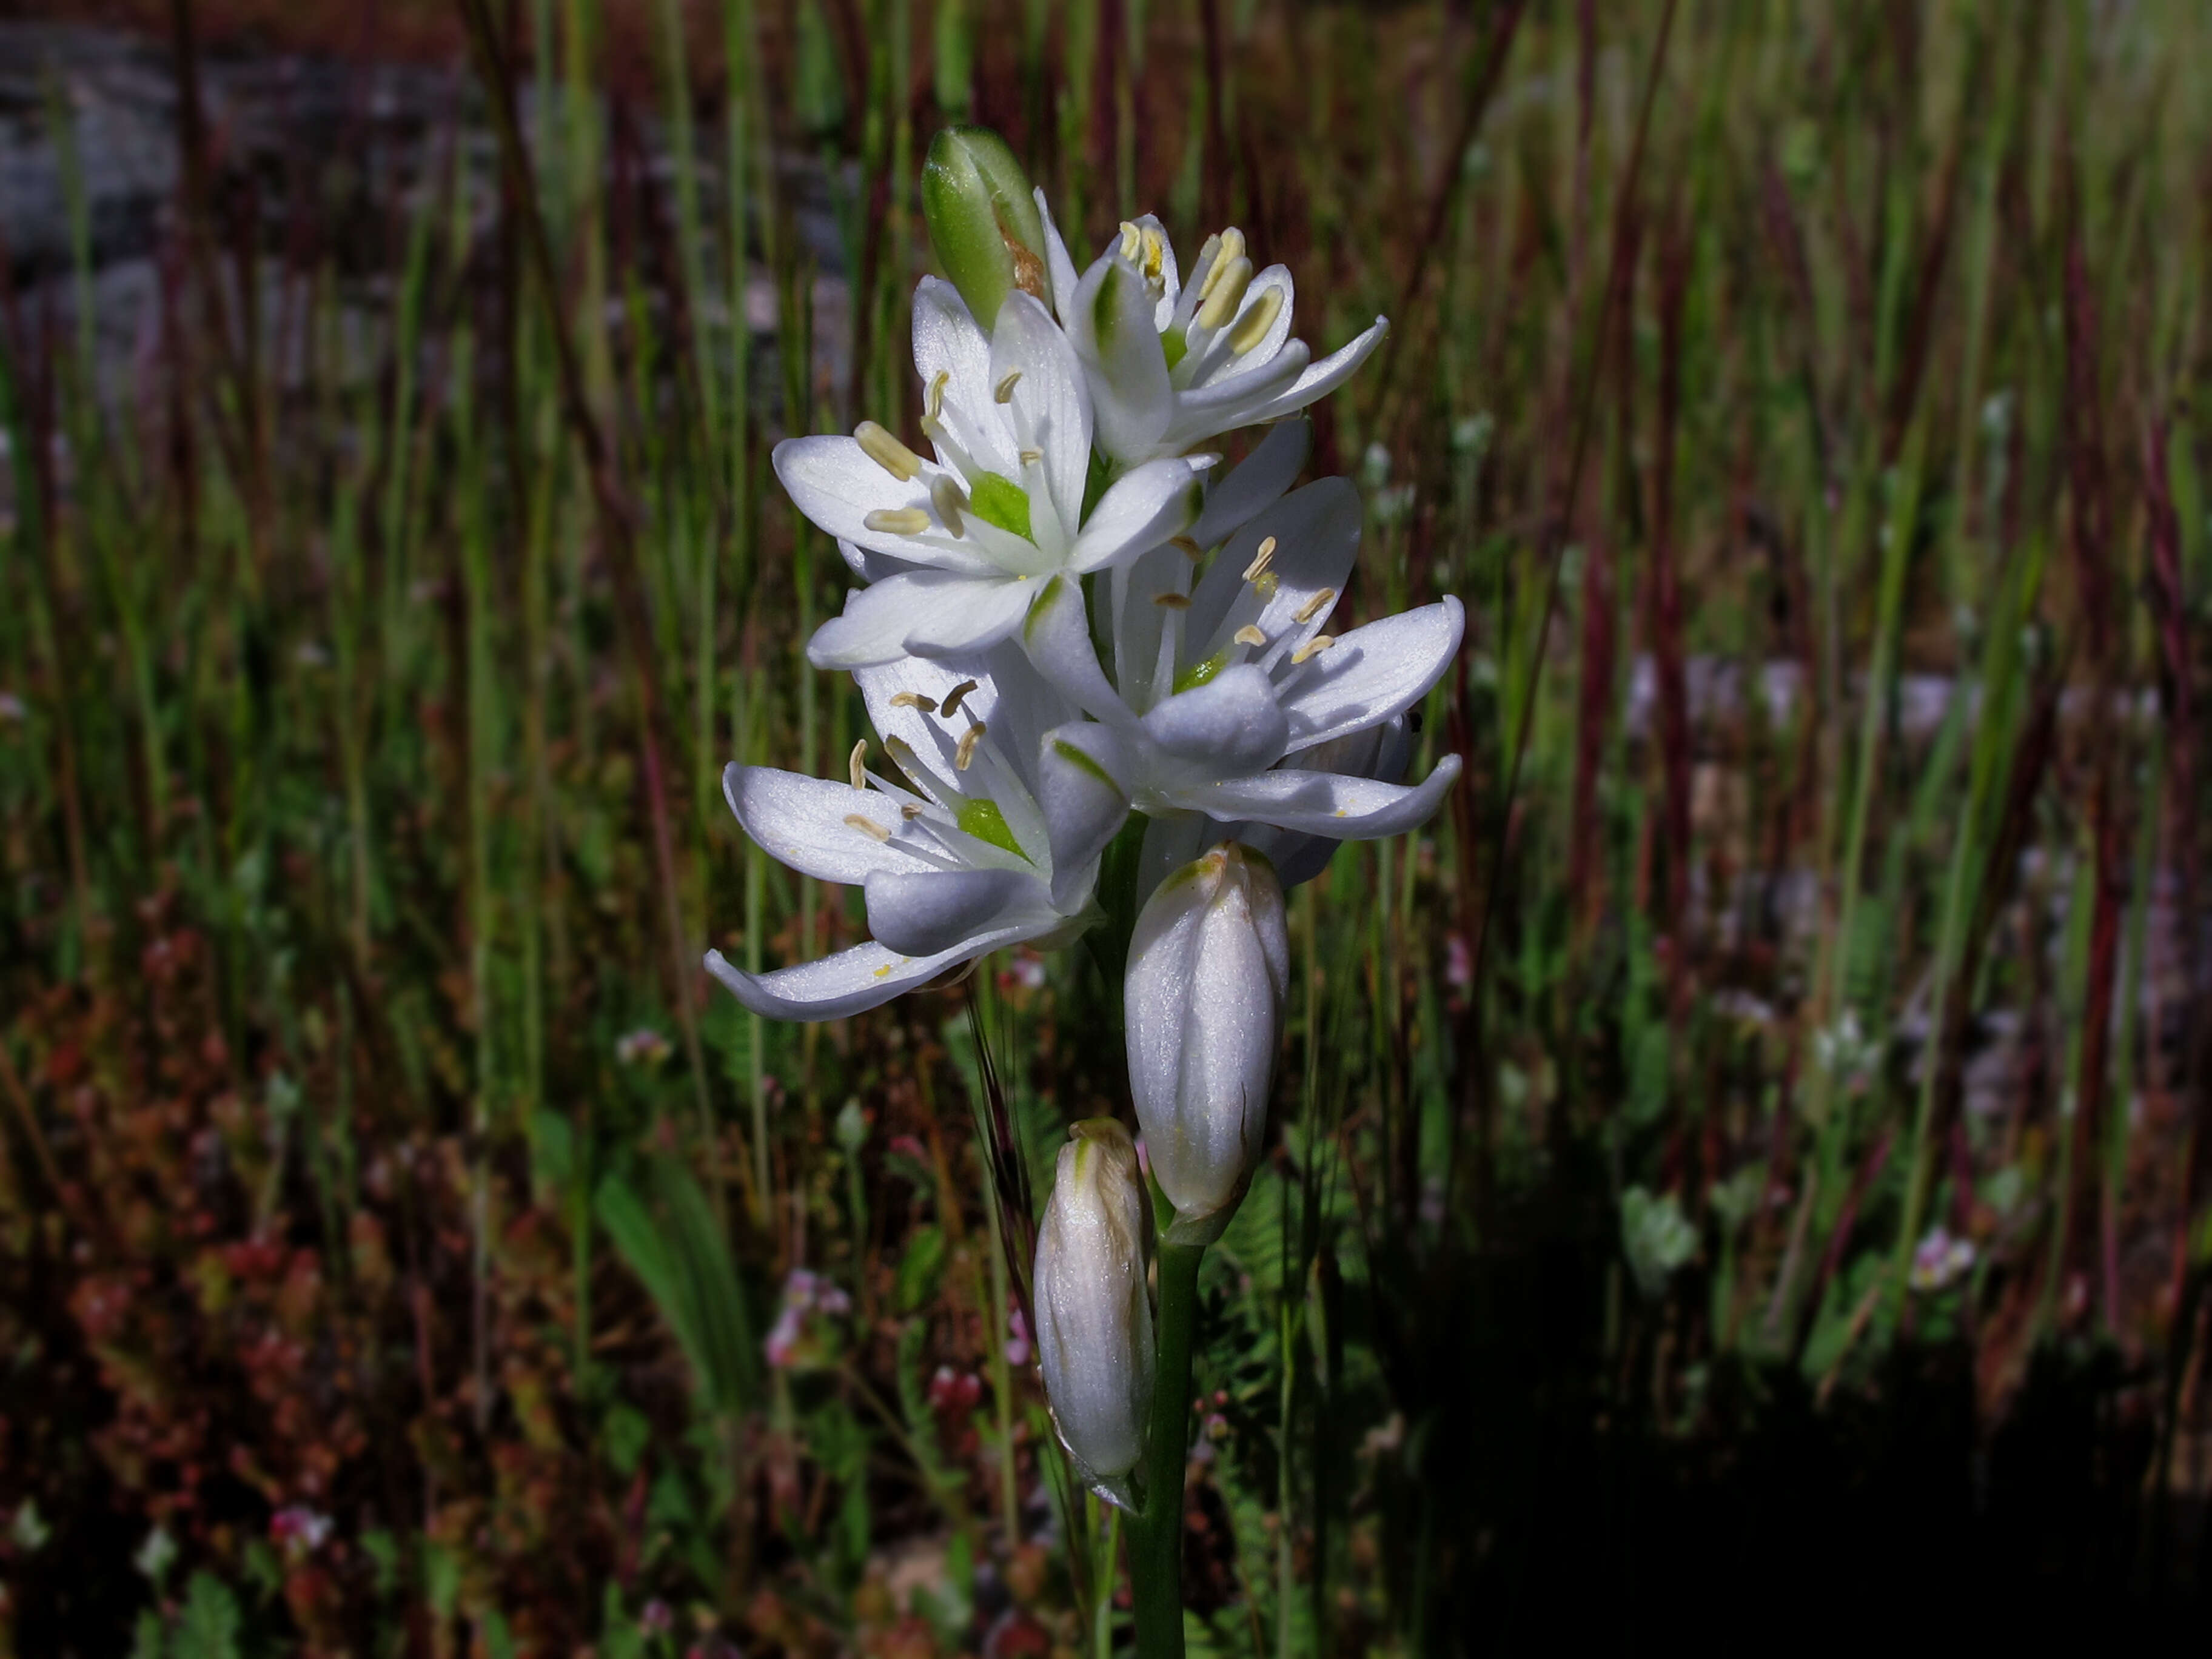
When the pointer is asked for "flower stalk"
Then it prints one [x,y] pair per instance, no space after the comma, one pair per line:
[1156,1531]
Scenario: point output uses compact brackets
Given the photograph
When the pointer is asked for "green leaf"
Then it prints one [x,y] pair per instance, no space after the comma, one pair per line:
[208,1628]
[920,1269]
[682,1258]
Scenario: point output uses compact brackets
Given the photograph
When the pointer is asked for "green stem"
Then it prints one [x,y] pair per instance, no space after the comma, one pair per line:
[1155,1535]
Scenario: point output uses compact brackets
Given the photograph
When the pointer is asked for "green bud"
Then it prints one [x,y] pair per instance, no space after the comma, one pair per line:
[983,221]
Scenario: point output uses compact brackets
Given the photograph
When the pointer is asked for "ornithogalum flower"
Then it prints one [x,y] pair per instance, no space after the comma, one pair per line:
[1230,705]
[1209,968]
[1173,363]
[955,547]
[965,848]
[1094,1321]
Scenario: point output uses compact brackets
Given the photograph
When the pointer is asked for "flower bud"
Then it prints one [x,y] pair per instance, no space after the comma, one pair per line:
[983,219]
[1209,968]
[1094,1334]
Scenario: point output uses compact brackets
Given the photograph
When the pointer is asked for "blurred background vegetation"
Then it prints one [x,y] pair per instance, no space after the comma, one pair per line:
[1750,1154]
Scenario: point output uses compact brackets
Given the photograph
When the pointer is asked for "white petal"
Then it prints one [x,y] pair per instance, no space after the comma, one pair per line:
[1082,769]
[978,616]
[1056,634]
[833,482]
[1373,673]
[1325,376]
[1227,728]
[1111,323]
[1051,401]
[1059,269]
[948,340]
[1323,803]
[849,983]
[1316,535]
[1138,512]
[1227,404]
[801,822]
[1256,483]
[923,913]
[1262,355]
[876,620]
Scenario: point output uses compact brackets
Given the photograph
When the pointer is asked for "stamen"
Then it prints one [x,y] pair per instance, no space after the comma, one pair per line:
[1228,248]
[1132,240]
[952,698]
[1261,560]
[1031,456]
[944,496]
[1003,392]
[888,453]
[966,751]
[1190,547]
[938,382]
[1313,647]
[1249,635]
[1256,322]
[1223,297]
[910,812]
[1172,601]
[897,522]
[867,827]
[1314,606]
[914,700]
[856,764]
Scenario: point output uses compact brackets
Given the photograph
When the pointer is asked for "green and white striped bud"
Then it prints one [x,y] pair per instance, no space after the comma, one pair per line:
[983,219]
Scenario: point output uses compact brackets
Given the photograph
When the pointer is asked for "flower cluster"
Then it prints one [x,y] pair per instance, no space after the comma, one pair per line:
[1087,645]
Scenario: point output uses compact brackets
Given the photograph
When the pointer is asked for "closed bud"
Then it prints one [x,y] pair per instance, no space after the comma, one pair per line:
[1094,1317]
[983,219]
[1209,968]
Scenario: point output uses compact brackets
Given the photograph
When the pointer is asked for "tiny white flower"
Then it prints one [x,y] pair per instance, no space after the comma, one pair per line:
[972,851]
[956,548]
[1171,364]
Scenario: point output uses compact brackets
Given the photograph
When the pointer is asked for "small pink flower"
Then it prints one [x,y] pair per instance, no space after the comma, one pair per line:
[1017,1339]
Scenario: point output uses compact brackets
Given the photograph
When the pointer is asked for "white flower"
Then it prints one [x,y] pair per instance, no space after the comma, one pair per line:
[1171,365]
[1231,706]
[1209,968]
[955,549]
[1094,1322]
[983,850]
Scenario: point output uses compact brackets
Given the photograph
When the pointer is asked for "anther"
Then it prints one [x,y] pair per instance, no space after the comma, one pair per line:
[1314,606]
[952,698]
[914,700]
[1313,647]
[1225,291]
[944,496]
[897,522]
[938,382]
[1031,456]
[1172,601]
[1226,248]
[1249,635]
[1190,547]
[1256,322]
[910,812]
[888,453]
[1261,560]
[966,751]
[1132,240]
[856,764]
[867,827]
[1003,392]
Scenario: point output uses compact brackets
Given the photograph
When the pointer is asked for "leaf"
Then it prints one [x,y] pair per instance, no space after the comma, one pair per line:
[684,1261]
[208,1628]
[920,1269]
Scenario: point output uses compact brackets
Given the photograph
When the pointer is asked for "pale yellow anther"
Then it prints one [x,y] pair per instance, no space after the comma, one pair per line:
[897,522]
[856,764]
[1225,291]
[935,409]
[1031,456]
[1172,601]
[910,812]
[1003,392]
[867,827]
[1154,262]
[1314,606]
[1261,560]
[1249,635]
[952,698]
[1132,240]
[966,751]
[944,496]
[913,700]
[888,453]
[1226,248]
[1258,318]
[1313,647]
[1190,547]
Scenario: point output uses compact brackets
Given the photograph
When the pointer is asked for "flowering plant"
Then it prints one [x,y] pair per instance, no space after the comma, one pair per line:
[1076,629]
